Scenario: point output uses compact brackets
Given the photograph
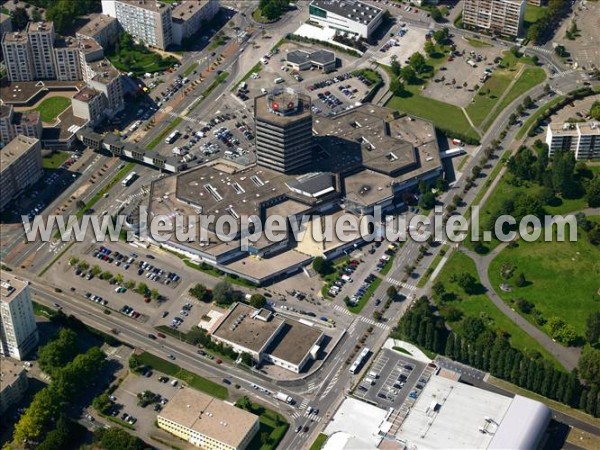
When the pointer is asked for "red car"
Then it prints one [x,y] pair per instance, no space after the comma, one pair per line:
[218,361]
[161,335]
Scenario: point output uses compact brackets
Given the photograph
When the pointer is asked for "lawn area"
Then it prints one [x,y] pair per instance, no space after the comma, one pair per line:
[319,441]
[506,190]
[483,104]
[443,115]
[154,142]
[55,160]
[557,273]
[533,14]
[118,177]
[530,77]
[51,107]
[197,382]
[423,280]
[480,305]
[131,57]
[272,424]
[477,43]
[190,69]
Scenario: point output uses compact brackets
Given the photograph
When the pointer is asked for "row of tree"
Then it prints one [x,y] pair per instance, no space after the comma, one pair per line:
[490,350]
[273,9]
[544,27]
[223,294]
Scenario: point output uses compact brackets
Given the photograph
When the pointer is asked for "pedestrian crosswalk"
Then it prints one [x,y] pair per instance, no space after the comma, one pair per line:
[399,283]
[331,383]
[313,417]
[543,50]
[563,73]
[311,386]
[352,327]
[383,326]
[304,404]
[342,309]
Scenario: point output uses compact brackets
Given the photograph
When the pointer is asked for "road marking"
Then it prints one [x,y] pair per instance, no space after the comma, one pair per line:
[342,309]
[399,283]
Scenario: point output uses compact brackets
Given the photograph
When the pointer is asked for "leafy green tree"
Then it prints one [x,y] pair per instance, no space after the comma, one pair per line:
[247,359]
[467,282]
[396,86]
[592,192]
[322,266]
[223,293]
[395,66]
[429,48]
[472,328]
[589,364]
[417,62]
[58,352]
[258,301]
[440,36]
[154,294]
[520,281]
[595,110]
[377,315]
[102,403]
[592,327]
[142,288]
[19,18]
[408,74]
[561,331]
[117,439]
[392,292]
[436,14]
[427,200]
[200,292]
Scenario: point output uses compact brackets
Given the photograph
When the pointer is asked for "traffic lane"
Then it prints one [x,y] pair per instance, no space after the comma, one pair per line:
[137,334]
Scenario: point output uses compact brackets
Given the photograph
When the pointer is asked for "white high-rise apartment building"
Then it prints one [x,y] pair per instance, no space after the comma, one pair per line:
[498,16]
[17,56]
[18,330]
[583,139]
[146,20]
[41,40]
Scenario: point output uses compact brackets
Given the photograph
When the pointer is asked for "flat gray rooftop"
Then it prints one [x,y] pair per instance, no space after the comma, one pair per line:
[240,328]
[351,9]
[294,342]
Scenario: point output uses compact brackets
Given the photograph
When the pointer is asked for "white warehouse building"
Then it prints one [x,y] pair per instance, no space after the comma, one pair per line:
[347,16]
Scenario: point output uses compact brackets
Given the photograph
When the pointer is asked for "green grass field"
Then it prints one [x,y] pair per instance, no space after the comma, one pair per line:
[481,306]
[272,425]
[319,441]
[190,69]
[54,160]
[52,107]
[563,275]
[530,78]
[477,43]
[483,104]
[533,14]
[197,382]
[442,114]
[154,142]
[140,60]
[505,191]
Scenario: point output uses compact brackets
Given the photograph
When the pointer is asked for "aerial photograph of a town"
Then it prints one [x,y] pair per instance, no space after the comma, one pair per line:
[299,224]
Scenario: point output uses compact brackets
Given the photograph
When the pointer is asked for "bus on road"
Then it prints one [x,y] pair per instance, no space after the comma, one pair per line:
[129,179]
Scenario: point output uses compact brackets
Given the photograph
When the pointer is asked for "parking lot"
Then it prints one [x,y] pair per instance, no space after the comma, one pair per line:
[126,401]
[406,41]
[467,64]
[393,378]
[337,93]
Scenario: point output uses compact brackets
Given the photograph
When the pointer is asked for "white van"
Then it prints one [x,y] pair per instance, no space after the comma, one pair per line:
[278,80]
[373,375]
[370,381]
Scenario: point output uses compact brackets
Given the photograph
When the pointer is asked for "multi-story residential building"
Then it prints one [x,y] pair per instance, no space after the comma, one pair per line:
[102,76]
[146,20]
[283,130]
[17,56]
[18,330]
[206,422]
[66,57]
[104,29]
[20,167]
[41,40]
[189,15]
[89,104]
[14,123]
[89,51]
[536,2]
[347,16]
[583,139]
[497,16]
[13,383]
